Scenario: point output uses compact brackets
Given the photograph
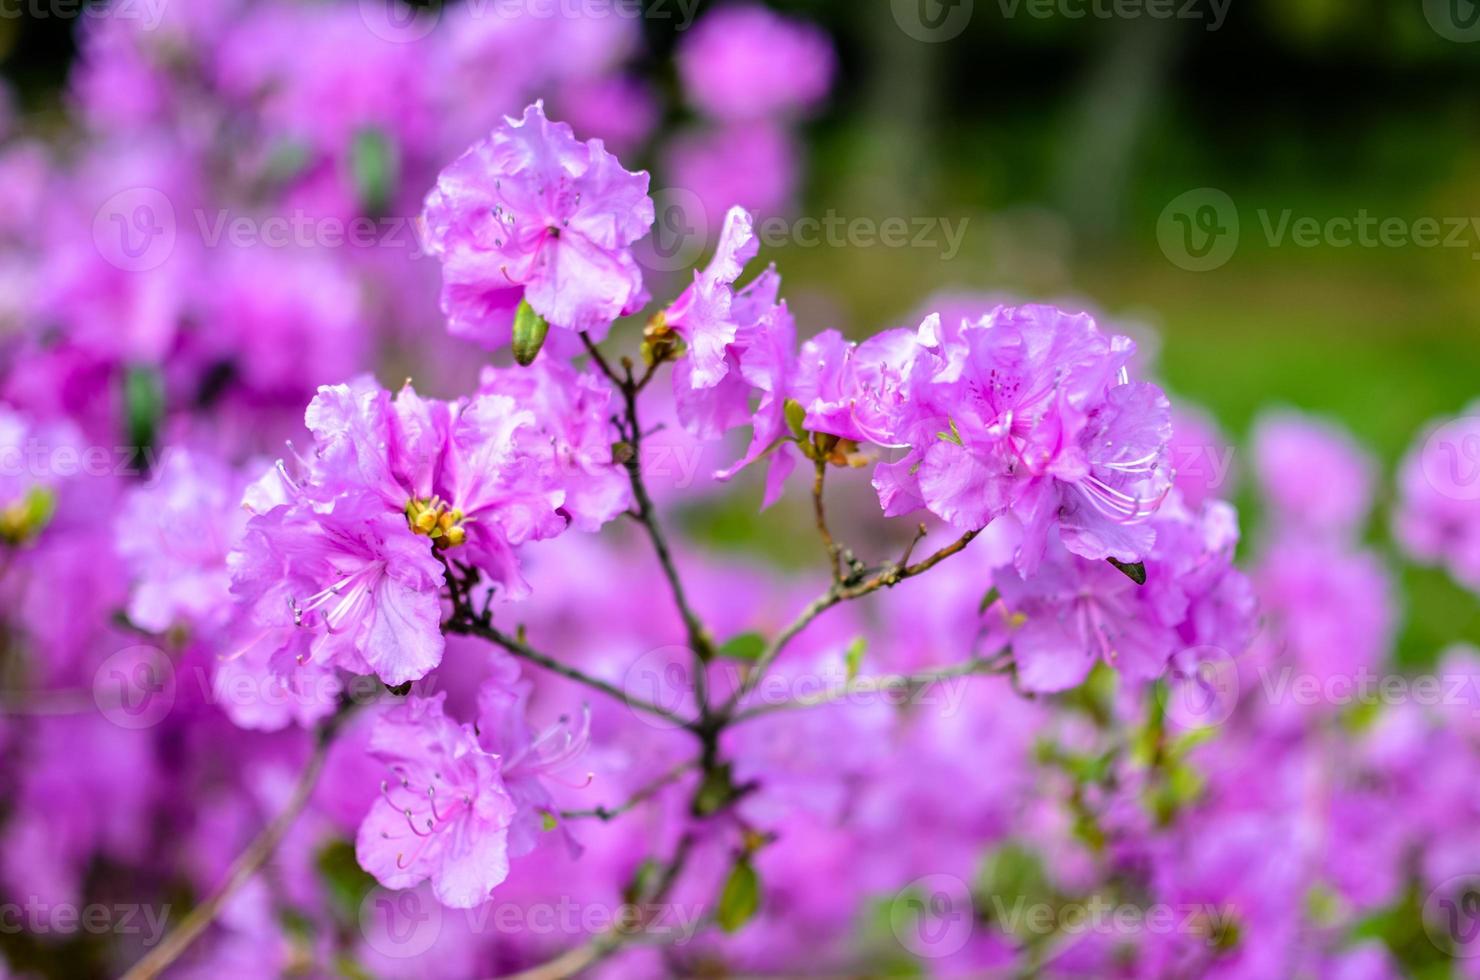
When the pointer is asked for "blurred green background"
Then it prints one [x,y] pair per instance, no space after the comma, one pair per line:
[1063,141]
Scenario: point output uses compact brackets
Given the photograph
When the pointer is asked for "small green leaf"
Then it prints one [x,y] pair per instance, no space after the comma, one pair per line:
[796,418]
[747,647]
[372,162]
[854,657]
[1136,573]
[143,399]
[530,330]
[345,884]
[992,596]
[740,898]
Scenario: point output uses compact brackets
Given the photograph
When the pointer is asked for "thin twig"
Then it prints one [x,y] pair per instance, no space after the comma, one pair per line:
[481,628]
[599,358]
[573,961]
[885,682]
[699,638]
[700,641]
[889,577]
[909,549]
[247,864]
[819,510]
[647,792]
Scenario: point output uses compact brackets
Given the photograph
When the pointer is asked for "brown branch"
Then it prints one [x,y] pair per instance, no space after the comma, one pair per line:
[247,864]
[467,626]
[573,961]
[864,685]
[819,511]
[889,577]
[647,792]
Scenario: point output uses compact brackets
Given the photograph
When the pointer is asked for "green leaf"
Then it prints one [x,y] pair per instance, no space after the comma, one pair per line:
[854,657]
[530,330]
[992,596]
[372,163]
[796,418]
[23,520]
[747,647]
[143,400]
[1136,573]
[345,883]
[740,898]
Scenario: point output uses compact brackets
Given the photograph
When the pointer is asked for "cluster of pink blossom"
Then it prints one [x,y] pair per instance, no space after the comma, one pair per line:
[378,683]
[752,74]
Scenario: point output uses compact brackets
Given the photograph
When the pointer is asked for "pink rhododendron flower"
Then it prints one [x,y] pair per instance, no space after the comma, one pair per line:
[573,444]
[532,214]
[620,111]
[702,315]
[1072,611]
[756,165]
[527,758]
[745,61]
[1288,447]
[1025,415]
[1438,515]
[175,533]
[444,812]
[372,593]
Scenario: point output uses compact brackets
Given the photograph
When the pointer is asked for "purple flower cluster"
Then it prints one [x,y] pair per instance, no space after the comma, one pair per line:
[341,677]
[345,561]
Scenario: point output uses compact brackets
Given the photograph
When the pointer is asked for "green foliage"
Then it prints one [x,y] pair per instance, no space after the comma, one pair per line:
[740,898]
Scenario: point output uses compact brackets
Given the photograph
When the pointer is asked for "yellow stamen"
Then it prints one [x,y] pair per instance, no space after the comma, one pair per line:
[434,519]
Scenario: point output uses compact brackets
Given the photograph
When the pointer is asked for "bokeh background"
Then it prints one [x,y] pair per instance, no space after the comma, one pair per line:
[1123,161]
[1063,141]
